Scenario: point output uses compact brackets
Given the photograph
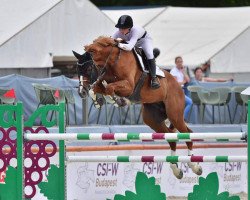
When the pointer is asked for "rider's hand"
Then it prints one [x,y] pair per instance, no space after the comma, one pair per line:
[118,40]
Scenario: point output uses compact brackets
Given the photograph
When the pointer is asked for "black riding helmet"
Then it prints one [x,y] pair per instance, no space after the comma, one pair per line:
[125,21]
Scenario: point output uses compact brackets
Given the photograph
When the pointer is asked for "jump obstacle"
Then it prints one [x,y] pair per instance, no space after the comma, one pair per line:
[23,138]
[132,137]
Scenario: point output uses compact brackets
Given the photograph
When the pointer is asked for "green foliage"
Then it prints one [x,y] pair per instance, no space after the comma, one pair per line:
[8,191]
[145,190]
[50,189]
[208,189]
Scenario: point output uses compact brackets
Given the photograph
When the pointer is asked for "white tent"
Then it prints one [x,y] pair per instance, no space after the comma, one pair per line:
[200,34]
[197,34]
[32,32]
[141,16]
[233,58]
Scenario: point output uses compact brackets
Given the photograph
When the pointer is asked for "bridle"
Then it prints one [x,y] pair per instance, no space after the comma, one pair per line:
[86,76]
[81,64]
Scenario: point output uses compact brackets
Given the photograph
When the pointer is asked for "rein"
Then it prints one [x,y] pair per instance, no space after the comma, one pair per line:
[116,60]
[106,62]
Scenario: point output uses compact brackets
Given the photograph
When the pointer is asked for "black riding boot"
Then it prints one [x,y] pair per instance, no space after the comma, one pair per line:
[152,69]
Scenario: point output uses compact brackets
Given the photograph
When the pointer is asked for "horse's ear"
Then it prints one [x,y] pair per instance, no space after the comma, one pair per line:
[77,55]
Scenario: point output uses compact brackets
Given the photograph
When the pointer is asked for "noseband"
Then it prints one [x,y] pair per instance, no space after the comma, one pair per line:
[92,66]
[81,64]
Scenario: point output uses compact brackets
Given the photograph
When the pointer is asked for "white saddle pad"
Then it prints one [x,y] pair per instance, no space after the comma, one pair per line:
[159,71]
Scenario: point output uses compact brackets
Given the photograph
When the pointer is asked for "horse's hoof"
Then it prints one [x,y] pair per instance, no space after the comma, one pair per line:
[200,171]
[176,171]
[121,102]
[97,106]
[179,175]
[100,101]
[197,169]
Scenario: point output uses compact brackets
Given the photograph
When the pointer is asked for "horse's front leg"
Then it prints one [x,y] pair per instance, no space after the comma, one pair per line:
[95,93]
[98,87]
[121,88]
[114,99]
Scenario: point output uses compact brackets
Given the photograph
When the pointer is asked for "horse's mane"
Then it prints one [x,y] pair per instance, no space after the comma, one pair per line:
[101,41]
[104,41]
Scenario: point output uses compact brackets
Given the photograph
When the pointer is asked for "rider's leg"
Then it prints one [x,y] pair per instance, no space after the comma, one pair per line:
[147,47]
[152,69]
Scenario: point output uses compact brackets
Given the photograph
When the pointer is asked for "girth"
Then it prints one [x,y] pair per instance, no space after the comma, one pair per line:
[135,96]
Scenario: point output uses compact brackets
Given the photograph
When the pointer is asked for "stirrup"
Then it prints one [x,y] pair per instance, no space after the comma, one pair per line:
[154,83]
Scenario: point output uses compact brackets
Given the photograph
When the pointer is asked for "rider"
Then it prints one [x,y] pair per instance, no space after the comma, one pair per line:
[137,36]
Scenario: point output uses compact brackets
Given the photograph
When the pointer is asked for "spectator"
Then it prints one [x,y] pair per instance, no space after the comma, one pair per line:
[206,68]
[183,79]
[198,76]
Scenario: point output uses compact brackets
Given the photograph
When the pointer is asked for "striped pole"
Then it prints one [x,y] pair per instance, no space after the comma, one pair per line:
[172,159]
[248,148]
[126,137]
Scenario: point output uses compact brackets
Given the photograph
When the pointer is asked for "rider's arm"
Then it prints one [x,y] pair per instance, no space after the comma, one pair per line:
[136,34]
[116,35]
[129,46]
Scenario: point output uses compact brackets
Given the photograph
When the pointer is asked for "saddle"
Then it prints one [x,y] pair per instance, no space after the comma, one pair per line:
[143,61]
[139,51]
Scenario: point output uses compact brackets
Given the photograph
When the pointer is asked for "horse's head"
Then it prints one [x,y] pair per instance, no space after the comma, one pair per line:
[87,72]
[101,50]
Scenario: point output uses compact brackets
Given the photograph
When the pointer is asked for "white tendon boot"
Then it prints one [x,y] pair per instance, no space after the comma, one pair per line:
[176,171]
[93,97]
[108,98]
[196,168]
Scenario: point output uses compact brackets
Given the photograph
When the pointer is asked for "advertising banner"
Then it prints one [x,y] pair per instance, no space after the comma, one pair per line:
[102,180]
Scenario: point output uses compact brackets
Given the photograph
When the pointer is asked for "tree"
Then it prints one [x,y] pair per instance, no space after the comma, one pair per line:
[180,3]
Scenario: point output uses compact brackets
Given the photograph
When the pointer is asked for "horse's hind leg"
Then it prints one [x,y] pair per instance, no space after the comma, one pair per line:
[154,117]
[178,122]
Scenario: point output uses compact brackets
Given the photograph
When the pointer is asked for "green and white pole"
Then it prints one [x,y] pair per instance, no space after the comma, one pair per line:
[62,154]
[19,131]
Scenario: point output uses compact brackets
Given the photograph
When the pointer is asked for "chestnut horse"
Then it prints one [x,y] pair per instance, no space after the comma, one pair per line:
[88,73]
[121,74]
